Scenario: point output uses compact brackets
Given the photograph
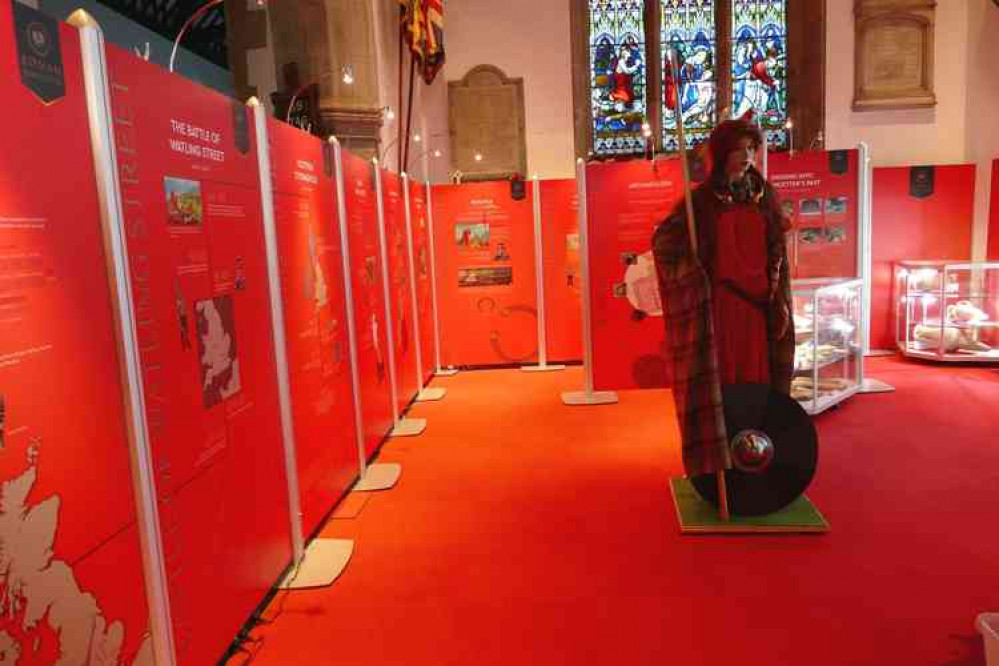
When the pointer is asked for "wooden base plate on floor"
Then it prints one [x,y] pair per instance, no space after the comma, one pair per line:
[324,561]
[697,516]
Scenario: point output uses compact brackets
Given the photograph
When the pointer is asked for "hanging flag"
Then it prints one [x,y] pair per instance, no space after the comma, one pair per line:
[423,32]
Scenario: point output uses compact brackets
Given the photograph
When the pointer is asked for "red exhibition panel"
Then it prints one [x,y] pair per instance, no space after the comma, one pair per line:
[190,187]
[560,250]
[369,300]
[485,274]
[993,251]
[71,580]
[820,192]
[625,202]
[400,300]
[421,255]
[315,318]
[916,217]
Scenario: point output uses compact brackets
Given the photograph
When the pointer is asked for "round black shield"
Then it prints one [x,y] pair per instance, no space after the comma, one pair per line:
[786,470]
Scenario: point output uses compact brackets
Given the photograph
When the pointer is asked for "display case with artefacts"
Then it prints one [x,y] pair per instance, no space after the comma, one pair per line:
[947,311]
[828,355]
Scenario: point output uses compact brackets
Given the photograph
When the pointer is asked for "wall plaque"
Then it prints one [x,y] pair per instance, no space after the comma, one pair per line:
[893,57]
[486,118]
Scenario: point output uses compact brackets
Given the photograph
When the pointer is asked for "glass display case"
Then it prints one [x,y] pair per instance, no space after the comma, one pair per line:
[828,355]
[947,311]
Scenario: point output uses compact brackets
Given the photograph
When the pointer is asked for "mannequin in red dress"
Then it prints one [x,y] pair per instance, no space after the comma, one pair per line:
[727,309]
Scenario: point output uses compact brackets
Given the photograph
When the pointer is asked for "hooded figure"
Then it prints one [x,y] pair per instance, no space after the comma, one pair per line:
[727,311]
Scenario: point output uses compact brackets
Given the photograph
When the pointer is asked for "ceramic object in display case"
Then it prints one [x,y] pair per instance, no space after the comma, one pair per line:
[947,311]
[828,351]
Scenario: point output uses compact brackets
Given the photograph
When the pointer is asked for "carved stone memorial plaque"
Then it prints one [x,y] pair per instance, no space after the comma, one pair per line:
[486,119]
[894,54]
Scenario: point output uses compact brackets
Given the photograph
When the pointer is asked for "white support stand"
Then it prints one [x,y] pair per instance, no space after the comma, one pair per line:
[381,476]
[587,396]
[113,226]
[864,269]
[325,559]
[438,370]
[425,394]
[403,427]
[539,275]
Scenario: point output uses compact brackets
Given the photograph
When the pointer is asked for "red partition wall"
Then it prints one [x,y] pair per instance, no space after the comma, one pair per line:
[820,192]
[485,274]
[560,249]
[315,318]
[400,300]
[421,255]
[625,202]
[993,247]
[369,300]
[915,220]
[189,181]
[71,583]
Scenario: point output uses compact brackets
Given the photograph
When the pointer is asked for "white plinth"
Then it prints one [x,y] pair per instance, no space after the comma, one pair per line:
[431,394]
[594,398]
[380,476]
[872,385]
[542,368]
[323,562]
[409,428]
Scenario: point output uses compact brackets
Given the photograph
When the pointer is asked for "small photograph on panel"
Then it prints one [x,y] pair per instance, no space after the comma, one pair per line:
[836,205]
[220,378]
[835,234]
[370,265]
[811,206]
[485,277]
[183,200]
[788,207]
[475,235]
[501,254]
[811,235]
[572,242]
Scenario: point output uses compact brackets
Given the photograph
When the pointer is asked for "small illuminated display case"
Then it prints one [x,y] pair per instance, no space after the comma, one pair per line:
[947,311]
[828,353]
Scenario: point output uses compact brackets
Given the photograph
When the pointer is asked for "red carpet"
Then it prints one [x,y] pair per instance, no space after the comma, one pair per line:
[525,532]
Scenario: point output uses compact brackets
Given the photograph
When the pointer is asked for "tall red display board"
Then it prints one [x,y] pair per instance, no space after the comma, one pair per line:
[369,300]
[400,298]
[820,192]
[625,202]
[560,239]
[71,577]
[485,274]
[918,213]
[421,255]
[188,175]
[315,318]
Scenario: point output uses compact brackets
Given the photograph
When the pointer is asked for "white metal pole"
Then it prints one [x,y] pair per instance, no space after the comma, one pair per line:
[587,396]
[348,291]
[112,217]
[539,280]
[402,427]
[277,326]
[423,395]
[383,251]
[432,251]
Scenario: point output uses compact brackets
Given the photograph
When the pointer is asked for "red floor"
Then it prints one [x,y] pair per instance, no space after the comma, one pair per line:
[525,532]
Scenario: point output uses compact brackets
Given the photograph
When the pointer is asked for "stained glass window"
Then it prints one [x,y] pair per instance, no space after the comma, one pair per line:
[688,27]
[759,64]
[617,76]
